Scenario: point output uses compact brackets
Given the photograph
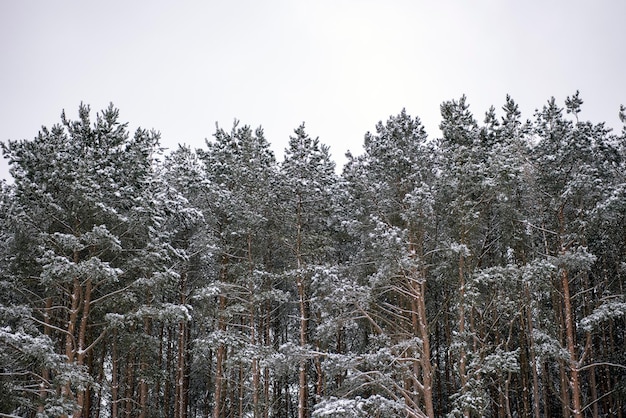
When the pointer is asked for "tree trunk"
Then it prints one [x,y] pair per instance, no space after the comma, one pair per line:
[143,369]
[565,399]
[302,369]
[162,366]
[171,374]
[130,384]
[45,372]
[82,351]
[115,383]
[425,360]
[179,392]
[304,323]
[70,348]
[569,329]
[256,374]
[571,346]
[462,355]
[219,372]
[531,352]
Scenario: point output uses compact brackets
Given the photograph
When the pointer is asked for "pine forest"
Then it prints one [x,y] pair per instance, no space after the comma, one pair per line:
[480,273]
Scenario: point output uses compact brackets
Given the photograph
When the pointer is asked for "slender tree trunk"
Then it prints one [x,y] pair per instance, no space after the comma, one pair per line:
[179,393]
[569,329]
[565,400]
[256,374]
[592,380]
[171,373]
[143,369]
[232,388]
[130,384]
[448,357]
[463,354]
[417,284]
[186,371]
[304,324]
[162,366]
[546,387]
[524,367]
[82,343]
[563,379]
[571,346]
[256,383]
[589,353]
[439,368]
[266,392]
[101,377]
[425,360]
[45,372]
[531,352]
[302,369]
[70,348]
[266,371]
[219,372]
[115,383]
[240,390]
[208,387]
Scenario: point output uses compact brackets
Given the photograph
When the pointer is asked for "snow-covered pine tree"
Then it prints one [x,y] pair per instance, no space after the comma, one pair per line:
[80,201]
[577,166]
[463,200]
[390,185]
[308,189]
[242,168]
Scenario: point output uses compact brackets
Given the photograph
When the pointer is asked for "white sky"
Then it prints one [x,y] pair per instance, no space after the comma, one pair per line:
[338,65]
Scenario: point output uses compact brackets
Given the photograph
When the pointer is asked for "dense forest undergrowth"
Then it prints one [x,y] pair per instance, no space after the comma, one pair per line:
[479,274]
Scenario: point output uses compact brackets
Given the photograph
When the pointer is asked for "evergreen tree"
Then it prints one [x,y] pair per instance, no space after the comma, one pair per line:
[307,208]
[391,187]
[81,194]
[243,169]
[478,274]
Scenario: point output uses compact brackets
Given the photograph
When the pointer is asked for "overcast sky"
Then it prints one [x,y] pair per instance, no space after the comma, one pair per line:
[340,66]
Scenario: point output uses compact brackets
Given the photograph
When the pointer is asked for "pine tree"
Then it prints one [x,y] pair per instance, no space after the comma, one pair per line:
[80,197]
[243,169]
[308,187]
[575,164]
[391,187]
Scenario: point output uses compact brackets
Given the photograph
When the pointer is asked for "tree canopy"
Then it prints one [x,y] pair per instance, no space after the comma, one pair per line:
[478,274]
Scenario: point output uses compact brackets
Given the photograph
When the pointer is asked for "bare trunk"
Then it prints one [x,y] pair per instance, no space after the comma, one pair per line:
[425,360]
[565,402]
[179,393]
[45,373]
[219,372]
[157,388]
[571,347]
[546,386]
[115,383]
[169,367]
[82,352]
[563,380]
[463,355]
[143,384]
[570,331]
[129,381]
[302,370]
[266,371]
[256,374]
[70,349]
[531,351]
[594,390]
[240,389]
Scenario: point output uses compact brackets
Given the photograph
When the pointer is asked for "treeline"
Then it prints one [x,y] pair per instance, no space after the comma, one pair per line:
[479,274]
